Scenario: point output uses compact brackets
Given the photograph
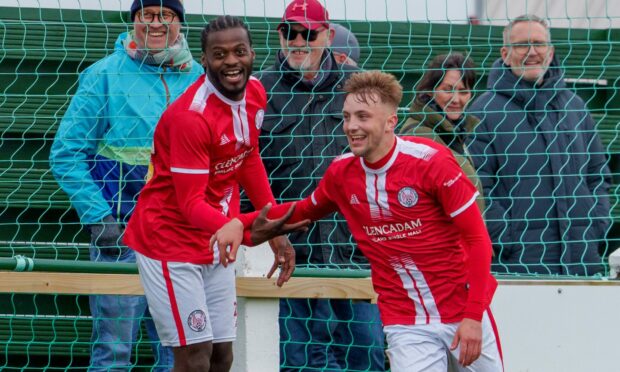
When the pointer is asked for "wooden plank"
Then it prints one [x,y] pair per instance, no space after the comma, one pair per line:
[129,284]
[355,289]
[69,283]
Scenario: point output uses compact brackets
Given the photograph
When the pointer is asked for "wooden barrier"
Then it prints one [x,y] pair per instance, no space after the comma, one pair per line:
[129,284]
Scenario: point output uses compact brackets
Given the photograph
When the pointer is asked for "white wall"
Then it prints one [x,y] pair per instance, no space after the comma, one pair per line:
[376,10]
[544,326]
[560,13]
[559,327]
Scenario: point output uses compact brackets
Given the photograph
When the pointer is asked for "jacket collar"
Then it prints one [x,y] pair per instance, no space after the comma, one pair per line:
[430,115]
[502,81]
[330,69]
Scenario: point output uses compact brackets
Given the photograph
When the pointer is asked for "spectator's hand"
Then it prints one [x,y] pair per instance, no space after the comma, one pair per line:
[106,235]
[469,336]
[227,240]
[284,258]
[264,229]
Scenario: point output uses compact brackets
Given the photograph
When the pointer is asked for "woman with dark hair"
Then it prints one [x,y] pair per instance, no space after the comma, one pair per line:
[438,110]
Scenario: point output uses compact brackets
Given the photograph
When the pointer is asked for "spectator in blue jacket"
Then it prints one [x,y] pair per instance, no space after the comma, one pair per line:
[101,153]
[540,160]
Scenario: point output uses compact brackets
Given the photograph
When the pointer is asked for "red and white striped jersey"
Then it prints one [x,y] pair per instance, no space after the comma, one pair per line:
[204,146]
[401,217]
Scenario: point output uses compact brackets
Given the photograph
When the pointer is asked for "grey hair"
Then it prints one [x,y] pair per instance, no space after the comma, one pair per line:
[524,18]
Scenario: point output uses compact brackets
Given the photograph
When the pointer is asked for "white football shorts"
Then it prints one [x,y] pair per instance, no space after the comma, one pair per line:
[426,347]
[190,303]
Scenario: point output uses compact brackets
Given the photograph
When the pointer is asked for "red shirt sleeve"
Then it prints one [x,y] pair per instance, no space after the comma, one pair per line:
[190,141]
[452,187]
[317,205]
[457,196]
[253,178]
[477,244]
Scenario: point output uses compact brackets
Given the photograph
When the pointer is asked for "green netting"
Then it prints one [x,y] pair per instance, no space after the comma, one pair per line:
[43,51]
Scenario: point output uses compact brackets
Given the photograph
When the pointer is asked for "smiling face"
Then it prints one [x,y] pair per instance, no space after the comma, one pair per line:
[529,51]
[228,60]
[369,126]
[452,95]
[156,28]
[301,54]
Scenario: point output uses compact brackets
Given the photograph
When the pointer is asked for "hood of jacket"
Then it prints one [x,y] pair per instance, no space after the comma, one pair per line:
[429,115]
[295,78]
[526,94]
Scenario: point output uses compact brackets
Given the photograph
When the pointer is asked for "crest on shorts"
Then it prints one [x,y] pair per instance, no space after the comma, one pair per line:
[197,320]
[258,120]
[407,197]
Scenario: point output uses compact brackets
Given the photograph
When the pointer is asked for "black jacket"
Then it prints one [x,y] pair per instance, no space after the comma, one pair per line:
[301,134]
[544,174]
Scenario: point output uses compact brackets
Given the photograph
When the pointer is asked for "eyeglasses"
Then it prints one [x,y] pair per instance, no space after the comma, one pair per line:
[525,47]
[289,34]
[163,17]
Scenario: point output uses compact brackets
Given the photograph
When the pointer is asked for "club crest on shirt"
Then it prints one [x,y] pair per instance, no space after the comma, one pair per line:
[258,120]
[407,197]
[197,320]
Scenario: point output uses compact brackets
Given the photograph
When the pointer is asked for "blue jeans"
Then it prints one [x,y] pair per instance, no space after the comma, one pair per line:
[330,335]
[116,322]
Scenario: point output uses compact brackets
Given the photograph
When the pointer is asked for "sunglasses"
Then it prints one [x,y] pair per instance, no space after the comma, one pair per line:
[289,34]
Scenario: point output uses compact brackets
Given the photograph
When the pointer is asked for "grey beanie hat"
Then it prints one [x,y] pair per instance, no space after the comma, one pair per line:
[345,42]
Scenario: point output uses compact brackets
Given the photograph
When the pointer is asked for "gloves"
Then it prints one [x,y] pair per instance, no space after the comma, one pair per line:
[106,235]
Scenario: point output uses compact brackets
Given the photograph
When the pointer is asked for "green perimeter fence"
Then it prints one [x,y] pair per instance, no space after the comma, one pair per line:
[43,51]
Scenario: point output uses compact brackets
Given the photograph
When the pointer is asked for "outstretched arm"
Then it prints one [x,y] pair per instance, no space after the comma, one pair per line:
[230,236]
[271,222]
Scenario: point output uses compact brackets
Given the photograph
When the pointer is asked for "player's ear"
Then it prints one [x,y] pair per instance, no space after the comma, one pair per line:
[252,53]
[392,121]
[203,60]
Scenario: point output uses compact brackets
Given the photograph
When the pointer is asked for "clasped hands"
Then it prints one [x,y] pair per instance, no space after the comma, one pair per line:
[229,237]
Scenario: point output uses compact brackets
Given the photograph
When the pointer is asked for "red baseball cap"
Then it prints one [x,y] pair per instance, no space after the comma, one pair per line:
[308,13]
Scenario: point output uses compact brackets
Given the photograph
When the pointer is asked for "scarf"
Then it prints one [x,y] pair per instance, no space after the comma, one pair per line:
[176,55]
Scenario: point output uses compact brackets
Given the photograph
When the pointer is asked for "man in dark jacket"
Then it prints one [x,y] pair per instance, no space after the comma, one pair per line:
[301,134]
[540,160]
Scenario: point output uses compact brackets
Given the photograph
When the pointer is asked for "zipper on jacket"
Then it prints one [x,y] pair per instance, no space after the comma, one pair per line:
[161,77]
[120,192]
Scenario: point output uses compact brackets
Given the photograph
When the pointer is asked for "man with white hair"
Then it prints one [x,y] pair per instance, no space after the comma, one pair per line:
[540,160]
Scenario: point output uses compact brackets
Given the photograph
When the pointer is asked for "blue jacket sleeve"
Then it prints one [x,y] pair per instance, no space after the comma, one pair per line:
[75,145]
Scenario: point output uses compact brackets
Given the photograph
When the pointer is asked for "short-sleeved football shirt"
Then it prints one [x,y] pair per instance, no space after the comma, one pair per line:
[205,145]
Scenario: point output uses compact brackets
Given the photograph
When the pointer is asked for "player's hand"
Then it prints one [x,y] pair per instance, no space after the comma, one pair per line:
[469,336]
[264,229]
[284,258]
[228,239]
